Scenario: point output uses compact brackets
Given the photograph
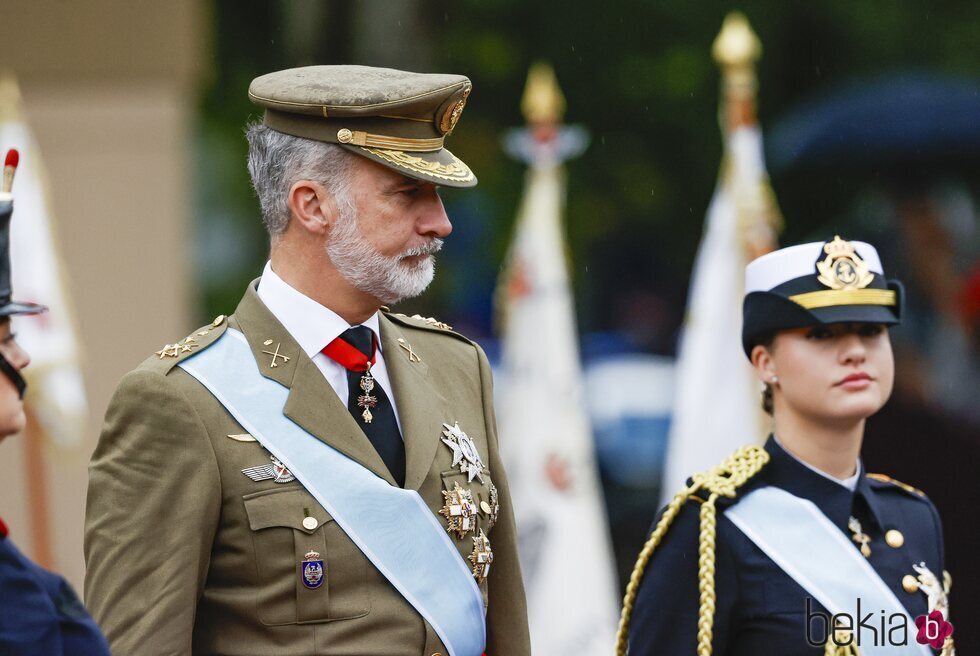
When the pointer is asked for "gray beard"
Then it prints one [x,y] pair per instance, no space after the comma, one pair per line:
[388,279]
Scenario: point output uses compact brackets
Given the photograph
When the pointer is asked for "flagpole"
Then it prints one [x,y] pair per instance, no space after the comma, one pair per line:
[737,51]
[740,225]
[545,435]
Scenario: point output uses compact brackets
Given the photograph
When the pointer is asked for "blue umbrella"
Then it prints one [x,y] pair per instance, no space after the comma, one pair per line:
[891,122]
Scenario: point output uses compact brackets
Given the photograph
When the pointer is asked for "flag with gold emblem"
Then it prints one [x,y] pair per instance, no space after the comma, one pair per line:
[56,397]
[545,436]
[717,403]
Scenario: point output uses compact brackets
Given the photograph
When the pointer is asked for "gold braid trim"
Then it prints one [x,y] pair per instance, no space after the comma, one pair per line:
[841,636]
[722,480]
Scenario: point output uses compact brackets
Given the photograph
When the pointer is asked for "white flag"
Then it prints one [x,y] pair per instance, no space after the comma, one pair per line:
[545,436]
[718,398]
[57,391]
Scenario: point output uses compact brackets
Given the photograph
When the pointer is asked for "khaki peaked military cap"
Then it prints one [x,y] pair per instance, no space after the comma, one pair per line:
[396,118]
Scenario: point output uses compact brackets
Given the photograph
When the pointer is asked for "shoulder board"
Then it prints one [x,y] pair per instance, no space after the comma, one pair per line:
[168,356]
[425,323]
[881,478]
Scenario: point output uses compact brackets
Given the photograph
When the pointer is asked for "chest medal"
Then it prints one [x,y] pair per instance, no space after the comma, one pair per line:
[275,471]
[465,454]
[459,511]
[312,570]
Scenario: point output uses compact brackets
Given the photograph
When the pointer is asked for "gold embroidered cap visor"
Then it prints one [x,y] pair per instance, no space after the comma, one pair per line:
[395,118]
[812,299]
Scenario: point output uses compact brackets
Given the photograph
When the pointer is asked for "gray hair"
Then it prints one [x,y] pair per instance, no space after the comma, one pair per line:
[277,160]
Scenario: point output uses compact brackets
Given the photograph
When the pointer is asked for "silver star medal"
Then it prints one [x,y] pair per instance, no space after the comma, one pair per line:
[464,452]
[274,470]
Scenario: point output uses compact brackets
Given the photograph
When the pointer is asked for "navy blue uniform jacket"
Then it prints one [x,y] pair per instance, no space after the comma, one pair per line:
[40,614]
[760,609]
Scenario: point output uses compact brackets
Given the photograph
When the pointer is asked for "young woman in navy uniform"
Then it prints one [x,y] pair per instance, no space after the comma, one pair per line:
[772,551]
[40,614]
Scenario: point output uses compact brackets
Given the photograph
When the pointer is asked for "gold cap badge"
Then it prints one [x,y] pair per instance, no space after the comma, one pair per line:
[843,268]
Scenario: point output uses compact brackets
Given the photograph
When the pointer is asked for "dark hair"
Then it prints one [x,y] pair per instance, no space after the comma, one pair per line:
[766,341]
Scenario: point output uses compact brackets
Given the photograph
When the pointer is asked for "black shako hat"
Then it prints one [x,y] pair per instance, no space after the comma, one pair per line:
[836,281]
[10,307]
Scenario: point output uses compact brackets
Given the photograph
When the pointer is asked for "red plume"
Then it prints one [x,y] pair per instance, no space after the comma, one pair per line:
[13,157]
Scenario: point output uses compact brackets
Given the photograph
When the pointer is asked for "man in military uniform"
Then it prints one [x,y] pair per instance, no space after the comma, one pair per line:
[315,474]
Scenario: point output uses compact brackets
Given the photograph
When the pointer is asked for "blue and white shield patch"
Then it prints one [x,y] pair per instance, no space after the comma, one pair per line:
[312,571]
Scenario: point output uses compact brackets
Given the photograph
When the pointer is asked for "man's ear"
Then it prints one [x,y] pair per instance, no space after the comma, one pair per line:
[762,362]
[311,206]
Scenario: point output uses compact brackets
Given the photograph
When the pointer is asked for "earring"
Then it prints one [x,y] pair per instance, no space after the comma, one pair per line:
[775,380]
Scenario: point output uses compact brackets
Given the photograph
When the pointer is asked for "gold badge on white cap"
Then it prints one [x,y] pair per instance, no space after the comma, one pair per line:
[843,268]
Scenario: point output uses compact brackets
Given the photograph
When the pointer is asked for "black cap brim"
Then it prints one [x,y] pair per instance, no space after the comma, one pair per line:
[765,313]
[16,307]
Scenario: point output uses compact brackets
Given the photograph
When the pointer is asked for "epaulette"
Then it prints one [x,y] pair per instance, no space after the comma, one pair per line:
[720,482]
[203,337]
[882,478]
[426,323]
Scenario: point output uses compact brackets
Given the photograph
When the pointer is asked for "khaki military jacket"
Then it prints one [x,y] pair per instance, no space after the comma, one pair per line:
[186,554]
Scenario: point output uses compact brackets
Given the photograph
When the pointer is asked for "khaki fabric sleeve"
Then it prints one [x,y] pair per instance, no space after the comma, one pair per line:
[153,505]
[507,627]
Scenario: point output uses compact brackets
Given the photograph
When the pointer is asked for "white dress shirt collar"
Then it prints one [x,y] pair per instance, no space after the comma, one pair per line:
[850,482]
[312,325]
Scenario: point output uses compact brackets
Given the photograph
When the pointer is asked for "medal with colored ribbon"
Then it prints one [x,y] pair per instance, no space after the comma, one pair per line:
[352,359]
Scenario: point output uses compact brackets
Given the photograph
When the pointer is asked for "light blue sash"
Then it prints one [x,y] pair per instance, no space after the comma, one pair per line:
[393,527]
[817,555]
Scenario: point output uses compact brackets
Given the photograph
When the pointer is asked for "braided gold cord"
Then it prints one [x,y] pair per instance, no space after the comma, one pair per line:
[706,574]
[841,636]
[722,480]
[674,507]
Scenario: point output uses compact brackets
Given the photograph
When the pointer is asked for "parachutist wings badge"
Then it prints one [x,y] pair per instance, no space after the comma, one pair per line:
[275,471]
[464,452]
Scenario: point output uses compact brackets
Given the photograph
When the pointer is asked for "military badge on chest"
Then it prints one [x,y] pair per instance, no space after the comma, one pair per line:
[464,450]
[312,570]
[459,511]
[492,508]
[482,557]
[275,471]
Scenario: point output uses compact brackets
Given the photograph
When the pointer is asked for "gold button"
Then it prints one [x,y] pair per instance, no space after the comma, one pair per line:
[910,583]
[894,538]
[344,135]
[485,507]
[218,320]
[310,523]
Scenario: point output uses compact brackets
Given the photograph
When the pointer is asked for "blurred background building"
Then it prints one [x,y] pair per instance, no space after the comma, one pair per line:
[870,116]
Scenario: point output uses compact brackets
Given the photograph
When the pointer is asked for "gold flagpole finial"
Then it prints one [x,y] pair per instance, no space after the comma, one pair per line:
[736,45]
[736,50]
[543,101]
